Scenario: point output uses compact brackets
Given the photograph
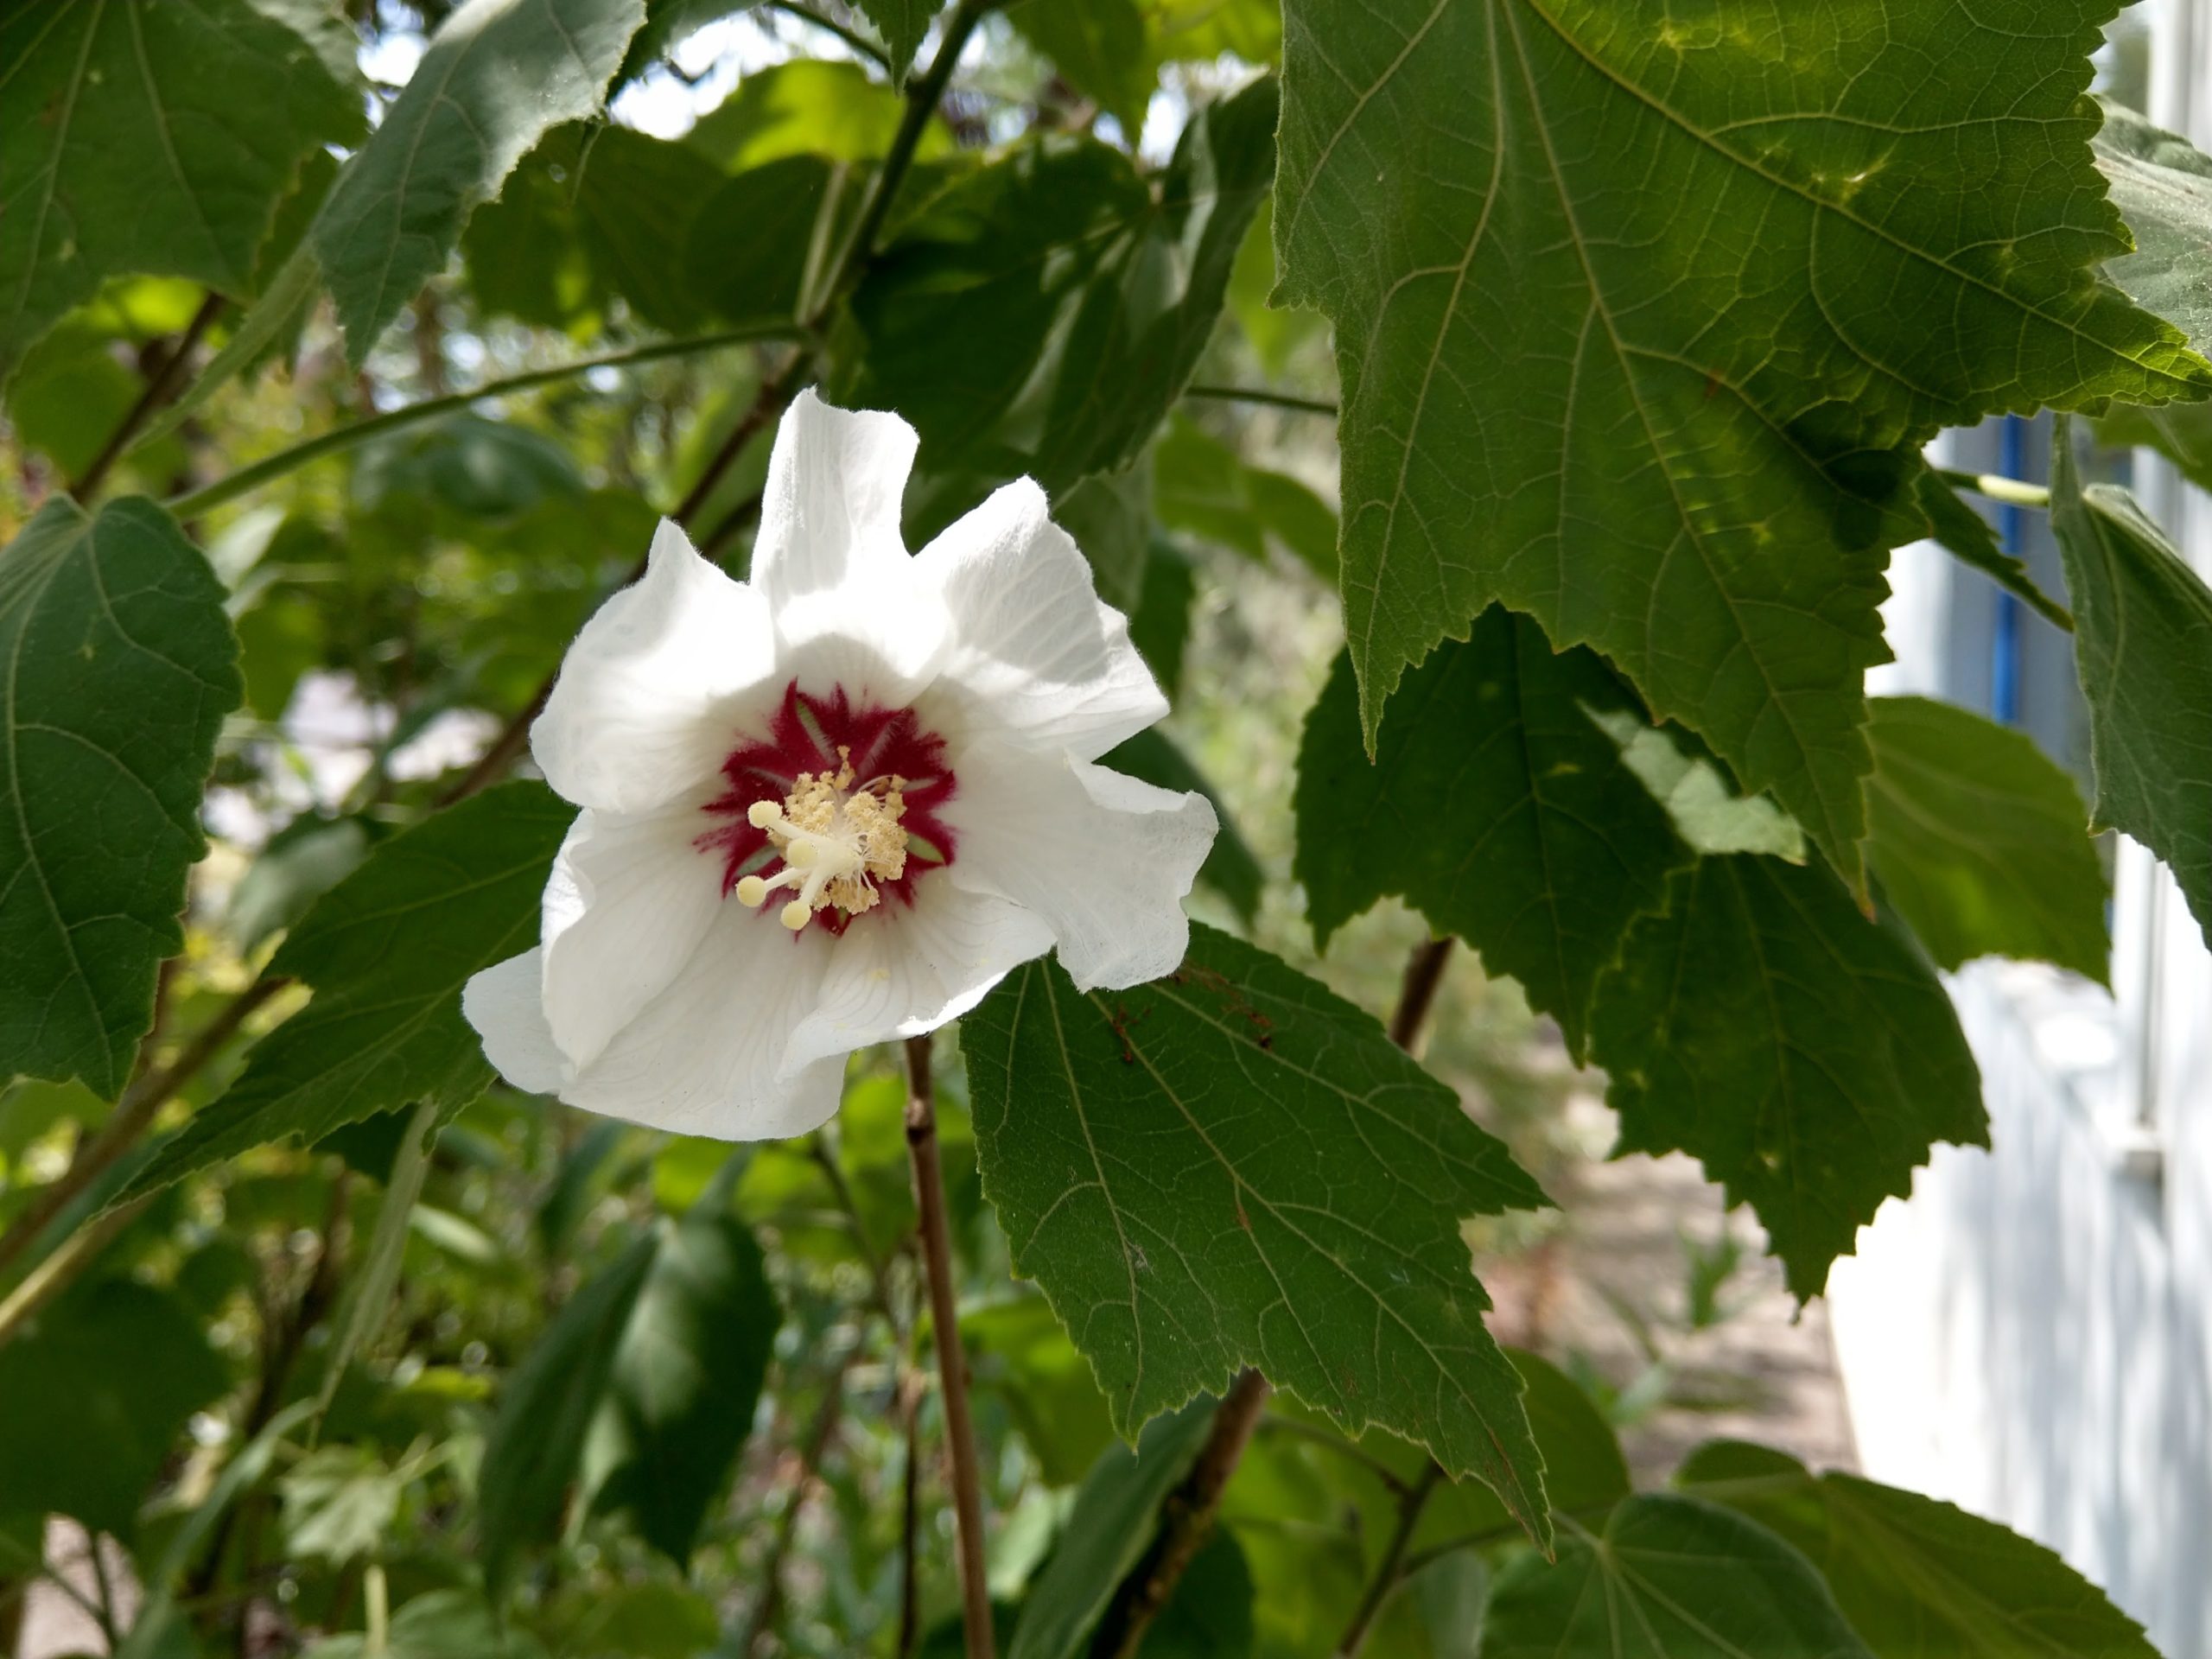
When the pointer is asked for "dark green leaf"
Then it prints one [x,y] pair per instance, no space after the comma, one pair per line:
[1042,315]
[902,24]
[1109,515]
[2162,185]
[387,951]
[70,393]
[494,80]
[1210,1615]
[537,1442]
[1230,869]
[1807,1056]
[1279,1186]
[302,862]
[464,464]
[119,668]
[1116,1514]
[763,237]
[1981,842]
[1202,486]
[637,200]
[147,138]
[1098,47]
[97,1391]
[2143,645]
[686,1378]
[1160,626]
[1966,535]
[1681,421]
[1667,1578]
[1918,1579]
[1494,806]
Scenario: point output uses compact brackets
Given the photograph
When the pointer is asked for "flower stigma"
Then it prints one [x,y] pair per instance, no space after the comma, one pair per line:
[835,841]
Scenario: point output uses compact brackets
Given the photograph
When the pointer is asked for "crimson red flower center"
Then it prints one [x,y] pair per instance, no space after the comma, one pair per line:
[839,805]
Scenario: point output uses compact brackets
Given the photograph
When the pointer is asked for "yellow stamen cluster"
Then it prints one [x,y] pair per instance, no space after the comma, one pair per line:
[836,842]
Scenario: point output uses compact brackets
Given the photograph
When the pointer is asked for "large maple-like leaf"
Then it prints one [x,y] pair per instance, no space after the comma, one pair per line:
[1643,317]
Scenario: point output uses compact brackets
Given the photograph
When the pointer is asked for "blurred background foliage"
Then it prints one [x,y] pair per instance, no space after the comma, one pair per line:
[662,1397]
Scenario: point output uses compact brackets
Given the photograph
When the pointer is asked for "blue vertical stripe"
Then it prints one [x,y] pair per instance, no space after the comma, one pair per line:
[2004,647]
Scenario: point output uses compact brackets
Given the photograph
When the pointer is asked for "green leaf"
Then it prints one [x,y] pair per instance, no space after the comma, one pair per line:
[902,24]
[1116,1514]
[1708,810]
[120,667]
[637,200]
[1202,486]
[537,1441]
[2162,185]
[97,1391]
[1043,315]
[1231,868]
[147,138]
[1019,1352]
[495,78]
[1918,1579]
[762,240]
[2143,647]
[1980,841]
[1098,47]
[1109,515]
[1275,1185]
[686,1378]
[1966,535]
[1807,1056]
[444,1624]
[1277,334]
[2181,432]
[339,1504]
[1160,628]
[387,951]
[1494,806]
[1687,436]
[1667,1578]
[1210,1614]
[808,107]
[69,394]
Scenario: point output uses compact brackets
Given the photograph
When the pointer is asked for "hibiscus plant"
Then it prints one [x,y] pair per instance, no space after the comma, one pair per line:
[808,805]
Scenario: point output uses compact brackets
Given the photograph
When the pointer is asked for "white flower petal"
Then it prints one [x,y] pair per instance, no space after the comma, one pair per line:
[706,1057]
[629,899]
[1104,858]
[900,971]
[503,1004]
[1036,657]
[651,695]
[830,513]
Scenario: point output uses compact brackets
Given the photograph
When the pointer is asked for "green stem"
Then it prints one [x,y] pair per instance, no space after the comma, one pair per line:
[1391,1569]
[269,467]
[922,98]
[1262,395]
[1997,487]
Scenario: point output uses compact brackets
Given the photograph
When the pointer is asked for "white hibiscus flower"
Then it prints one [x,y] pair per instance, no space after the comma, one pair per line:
[833,805]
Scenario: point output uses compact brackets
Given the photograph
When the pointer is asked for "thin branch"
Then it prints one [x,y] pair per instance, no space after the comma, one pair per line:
[922,98]
[1424,973]
[1186,1522]
[161,387]
[354,433]
[1390,1570]
[770,1606]
[1262,395]
[852,37]
[134,1114]
[909,1518]
[951,1362]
